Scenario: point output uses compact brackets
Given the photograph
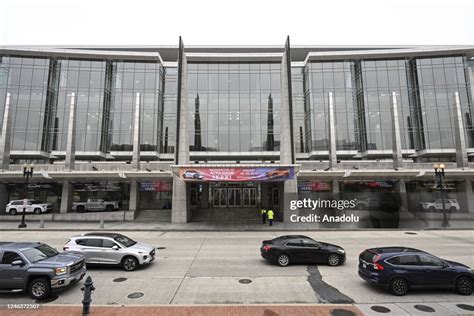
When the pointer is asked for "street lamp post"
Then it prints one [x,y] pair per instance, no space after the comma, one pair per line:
[439,172]
[27,173]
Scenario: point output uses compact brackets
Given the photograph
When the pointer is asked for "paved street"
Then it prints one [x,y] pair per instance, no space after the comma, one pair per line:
[206,267]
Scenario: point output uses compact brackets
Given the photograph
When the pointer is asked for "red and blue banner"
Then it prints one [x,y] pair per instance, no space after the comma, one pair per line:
[240,174]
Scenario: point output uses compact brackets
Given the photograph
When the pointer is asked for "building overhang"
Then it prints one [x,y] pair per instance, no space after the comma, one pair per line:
[430,51]
[31,154]
[233,57]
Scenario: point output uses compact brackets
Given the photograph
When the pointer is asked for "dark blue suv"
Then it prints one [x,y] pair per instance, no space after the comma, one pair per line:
[400,269]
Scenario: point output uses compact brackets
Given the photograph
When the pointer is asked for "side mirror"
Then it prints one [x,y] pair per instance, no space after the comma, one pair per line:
[17,263]
[115,247]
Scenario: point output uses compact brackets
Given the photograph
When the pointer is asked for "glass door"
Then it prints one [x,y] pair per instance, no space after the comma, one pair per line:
[250,196]
[219,198]
[234,197]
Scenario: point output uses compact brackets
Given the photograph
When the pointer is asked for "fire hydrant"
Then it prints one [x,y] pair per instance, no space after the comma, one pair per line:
[87,300]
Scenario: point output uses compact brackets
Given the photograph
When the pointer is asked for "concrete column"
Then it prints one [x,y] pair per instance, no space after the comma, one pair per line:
[134,197]
[461,151]
[71,138]
[136,133]
[6,136]
[401,188]
[290,187]
[396,140]
[66,197]
[180,209]
[467,199]
[3,197]
[332,132]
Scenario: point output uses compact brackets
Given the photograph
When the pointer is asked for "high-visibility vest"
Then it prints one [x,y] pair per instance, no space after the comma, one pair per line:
[270,214]
[263,212]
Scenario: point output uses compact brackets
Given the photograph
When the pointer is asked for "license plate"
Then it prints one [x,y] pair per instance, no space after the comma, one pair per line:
[364,265]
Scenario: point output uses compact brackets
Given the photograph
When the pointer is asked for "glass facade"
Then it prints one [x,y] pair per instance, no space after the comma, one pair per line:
[234,107]
[170,110]
[435,81]
[147,78]
[32,84]
[90,80]
[320,79]
[299,128]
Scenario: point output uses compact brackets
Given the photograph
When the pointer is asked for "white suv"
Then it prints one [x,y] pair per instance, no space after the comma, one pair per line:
[32,206]
[437,204]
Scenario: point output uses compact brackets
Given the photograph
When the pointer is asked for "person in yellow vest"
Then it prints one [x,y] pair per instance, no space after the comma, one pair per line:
[263,212]
[270,216]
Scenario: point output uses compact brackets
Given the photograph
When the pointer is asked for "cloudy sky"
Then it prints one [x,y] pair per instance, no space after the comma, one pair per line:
[239,22]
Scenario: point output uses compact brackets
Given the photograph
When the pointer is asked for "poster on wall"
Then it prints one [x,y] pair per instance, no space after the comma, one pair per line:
[158,186]
[236,174]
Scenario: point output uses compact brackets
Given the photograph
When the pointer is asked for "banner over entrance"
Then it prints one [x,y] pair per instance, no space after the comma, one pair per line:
[239,174]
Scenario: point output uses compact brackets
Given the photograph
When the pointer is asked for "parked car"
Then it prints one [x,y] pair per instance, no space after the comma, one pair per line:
[37,268]
[301,249]
[33,206]
[400,269]
[111,249]
[437,205]
[192,174]
[278,173]
[96,205]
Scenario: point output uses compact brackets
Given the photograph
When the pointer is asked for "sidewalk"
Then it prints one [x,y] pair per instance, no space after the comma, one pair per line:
[193,226]
[218,310]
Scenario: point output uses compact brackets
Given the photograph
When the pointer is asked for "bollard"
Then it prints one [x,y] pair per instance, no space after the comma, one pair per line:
[87,300]
[101,223]
[42,221]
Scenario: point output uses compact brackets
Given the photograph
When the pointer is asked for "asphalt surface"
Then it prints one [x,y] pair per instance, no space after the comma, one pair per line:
[206,267]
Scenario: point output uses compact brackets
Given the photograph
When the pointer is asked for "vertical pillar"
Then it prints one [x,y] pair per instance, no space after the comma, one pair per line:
[3,197]
[71,136]
[332,133]
[133,204]
[287,154]
[67,192]
[6,136]
[461,151]
[136,133]
[466,200]
[180,208]
[66,197]
[396,140]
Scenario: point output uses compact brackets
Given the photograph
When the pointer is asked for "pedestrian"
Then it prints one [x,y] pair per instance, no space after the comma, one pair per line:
[263,212]
[270,215]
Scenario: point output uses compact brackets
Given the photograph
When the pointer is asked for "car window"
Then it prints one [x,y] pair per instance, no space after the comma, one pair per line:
[94,242]
[408,260]
[81,242]
[430,261]
[9,257]
[295,243]
[108,243]
[124,240]
[310,243]
[17,203]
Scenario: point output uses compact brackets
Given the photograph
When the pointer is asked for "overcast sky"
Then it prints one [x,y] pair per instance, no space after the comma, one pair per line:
[237,22]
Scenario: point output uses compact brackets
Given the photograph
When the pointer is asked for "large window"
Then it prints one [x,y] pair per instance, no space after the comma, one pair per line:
[234,107]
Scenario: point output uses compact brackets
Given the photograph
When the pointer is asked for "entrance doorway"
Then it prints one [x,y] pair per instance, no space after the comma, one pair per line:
[234,197]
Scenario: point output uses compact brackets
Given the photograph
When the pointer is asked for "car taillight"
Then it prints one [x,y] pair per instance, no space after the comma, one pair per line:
[267,248]
[377,266]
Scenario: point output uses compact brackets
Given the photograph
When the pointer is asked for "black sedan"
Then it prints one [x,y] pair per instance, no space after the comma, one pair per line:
[301,249]
[400,268]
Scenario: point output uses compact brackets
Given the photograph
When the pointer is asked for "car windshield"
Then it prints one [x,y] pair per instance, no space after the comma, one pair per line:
[39,253]
[124,240]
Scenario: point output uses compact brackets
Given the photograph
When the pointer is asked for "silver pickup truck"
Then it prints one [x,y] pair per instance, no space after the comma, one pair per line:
[95,205]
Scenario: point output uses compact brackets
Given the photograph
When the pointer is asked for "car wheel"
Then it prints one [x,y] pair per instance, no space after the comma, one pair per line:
[129,263]
[398,286]
[334,260]
[81,209]
[464,285]
[431,209]
[12,211]
[452,209]
[283,260]
[37,211]
[109,208]
[39,288]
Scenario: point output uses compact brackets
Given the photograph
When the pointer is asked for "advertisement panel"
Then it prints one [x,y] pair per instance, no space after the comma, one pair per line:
[236,174]
[158,186]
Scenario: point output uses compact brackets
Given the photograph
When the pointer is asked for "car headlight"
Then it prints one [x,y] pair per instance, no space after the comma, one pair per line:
[60,271]
[341,250]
